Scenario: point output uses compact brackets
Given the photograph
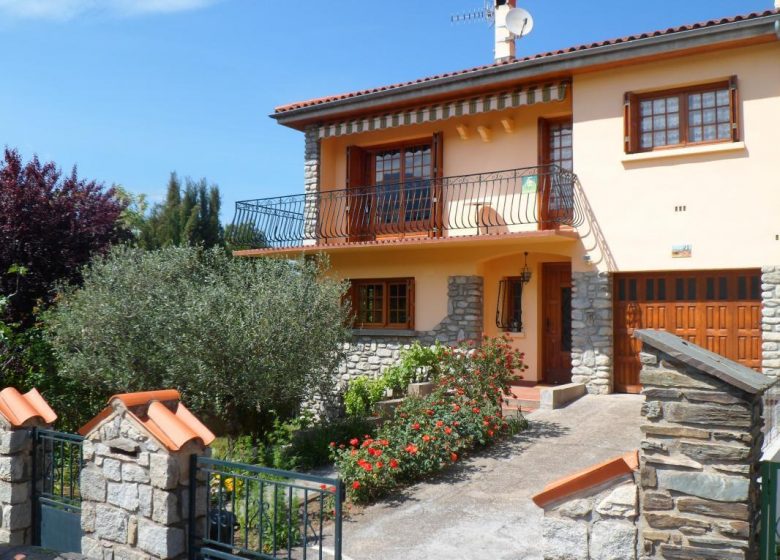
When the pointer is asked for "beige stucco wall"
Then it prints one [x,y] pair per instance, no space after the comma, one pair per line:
[732,197]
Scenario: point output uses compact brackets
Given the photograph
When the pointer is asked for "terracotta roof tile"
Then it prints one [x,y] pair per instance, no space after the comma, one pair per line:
[589,478]
[582,47]
[21,409]
[162,414]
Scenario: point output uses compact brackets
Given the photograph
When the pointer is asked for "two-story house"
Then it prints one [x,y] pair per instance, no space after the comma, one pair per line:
[565,199]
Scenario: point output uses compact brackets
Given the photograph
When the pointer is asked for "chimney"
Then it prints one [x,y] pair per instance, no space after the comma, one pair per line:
[505,41]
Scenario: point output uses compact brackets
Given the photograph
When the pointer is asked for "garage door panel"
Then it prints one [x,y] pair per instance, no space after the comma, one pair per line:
[718,310]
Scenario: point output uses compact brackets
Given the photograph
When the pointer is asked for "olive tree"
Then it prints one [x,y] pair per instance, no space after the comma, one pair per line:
[242,339]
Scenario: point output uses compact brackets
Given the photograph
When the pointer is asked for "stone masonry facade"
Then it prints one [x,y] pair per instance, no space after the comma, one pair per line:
[311,181]
[372,354]
[598,524]
[15,484]
[699,457]
[135,493]
[591,331]
[770,320]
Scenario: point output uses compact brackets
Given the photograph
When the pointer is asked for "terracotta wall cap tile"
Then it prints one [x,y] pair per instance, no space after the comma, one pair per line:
[588,478]
[145,397]
[20,409]
[196,426]
[92,424]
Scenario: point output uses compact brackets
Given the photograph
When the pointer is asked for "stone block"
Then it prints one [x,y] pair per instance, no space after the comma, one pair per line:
[621,502]
[565,539]
[675,379]
[112,469]
[91,548]
[657,501]
[702,451]
[145,500]
[111,523]
[164,471]
[684,413]
[92,484]
[673,521]
[673,431]
[14,492]
[18,516]
[575,509]
[14,440]
[124,495]
[613,540]
[13,467]
[163,542]
[165,507]
[674,552]
[133,473]
[710,486]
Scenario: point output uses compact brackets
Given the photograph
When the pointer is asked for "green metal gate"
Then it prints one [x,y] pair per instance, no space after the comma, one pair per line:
[57,462]
[770,524]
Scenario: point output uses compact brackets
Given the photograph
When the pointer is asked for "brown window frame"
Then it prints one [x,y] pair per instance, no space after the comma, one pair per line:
[385,322]
[632,119]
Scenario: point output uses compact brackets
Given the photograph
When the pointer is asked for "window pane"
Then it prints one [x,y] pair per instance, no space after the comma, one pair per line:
[646,108]
[673,120]
[672,104]
[659,106]
[398,303]
[673,136]
[724,131]
[659,122]
[659,138]
[370,301]
[710,133]
[709,116]
[647,140]
[695,134]
[724,115]
[723,97]
[694,117]
[694,101]
[708,99]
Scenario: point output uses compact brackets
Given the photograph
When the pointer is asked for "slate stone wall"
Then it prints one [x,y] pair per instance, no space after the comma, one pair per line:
[770,320]
[591,331]
[15,484]
[311,182]
[135,494]
[699,495]
[597,525]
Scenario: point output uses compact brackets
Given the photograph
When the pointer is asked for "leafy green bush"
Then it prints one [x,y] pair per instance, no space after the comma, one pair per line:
[362,394]
[429,433]
[417,364]
[244,340]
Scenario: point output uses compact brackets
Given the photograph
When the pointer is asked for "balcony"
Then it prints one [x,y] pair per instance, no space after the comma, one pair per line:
[493,203]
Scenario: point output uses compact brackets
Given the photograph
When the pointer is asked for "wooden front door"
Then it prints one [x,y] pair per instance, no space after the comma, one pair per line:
[556,323]
[719,310]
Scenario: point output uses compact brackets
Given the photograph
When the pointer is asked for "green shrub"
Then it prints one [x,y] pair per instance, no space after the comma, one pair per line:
[244,340]
[362,394]
[427,434]
[418,363]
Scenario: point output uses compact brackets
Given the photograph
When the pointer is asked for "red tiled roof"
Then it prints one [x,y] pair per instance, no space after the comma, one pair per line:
[19,409]
[589,478]
[629,38]
[163,416]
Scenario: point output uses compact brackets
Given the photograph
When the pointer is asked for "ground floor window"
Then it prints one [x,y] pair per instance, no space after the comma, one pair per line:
[386,303]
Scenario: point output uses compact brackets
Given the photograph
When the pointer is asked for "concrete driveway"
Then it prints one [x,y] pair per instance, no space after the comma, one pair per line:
[483,507]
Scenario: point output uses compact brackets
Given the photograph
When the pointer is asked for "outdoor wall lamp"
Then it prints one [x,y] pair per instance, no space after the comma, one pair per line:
[525,274]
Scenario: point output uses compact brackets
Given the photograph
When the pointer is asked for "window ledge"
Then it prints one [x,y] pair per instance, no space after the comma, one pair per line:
[385,332]
[687,151]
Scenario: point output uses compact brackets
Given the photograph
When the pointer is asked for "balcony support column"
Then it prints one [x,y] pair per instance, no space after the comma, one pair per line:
[311,184]
[592,352]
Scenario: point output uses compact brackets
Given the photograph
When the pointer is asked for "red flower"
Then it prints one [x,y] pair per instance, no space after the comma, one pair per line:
[323,486]
[426,438]
[475,410]
[453,457]
[368,442]
[485,423]
[490,433]
[354,442]
[393,464]
[332,444]
[429,412]
[416,426]
[379,464]
[456,407]
[439,423]
[356,485]
[448,430]
[411,448]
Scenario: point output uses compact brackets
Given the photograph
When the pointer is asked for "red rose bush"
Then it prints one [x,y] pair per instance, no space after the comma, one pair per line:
[428,434]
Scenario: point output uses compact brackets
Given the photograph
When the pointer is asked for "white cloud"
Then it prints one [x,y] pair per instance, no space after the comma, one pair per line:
[68,9]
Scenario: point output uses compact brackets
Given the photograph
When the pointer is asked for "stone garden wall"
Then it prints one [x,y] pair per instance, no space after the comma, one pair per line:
[699,494]
[770,320]
[591,331]
[597,524]
[15,484]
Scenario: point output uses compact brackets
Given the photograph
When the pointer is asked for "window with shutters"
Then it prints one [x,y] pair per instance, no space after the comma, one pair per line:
[385,303]
[688,116]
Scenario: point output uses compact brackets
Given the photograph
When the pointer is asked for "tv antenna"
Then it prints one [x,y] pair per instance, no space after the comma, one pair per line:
[487,14]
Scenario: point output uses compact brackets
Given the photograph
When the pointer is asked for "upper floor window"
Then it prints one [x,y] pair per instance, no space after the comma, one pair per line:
[681,117]
[386,303]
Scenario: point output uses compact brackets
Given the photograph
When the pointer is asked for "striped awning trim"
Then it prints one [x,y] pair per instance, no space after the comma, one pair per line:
[460,108]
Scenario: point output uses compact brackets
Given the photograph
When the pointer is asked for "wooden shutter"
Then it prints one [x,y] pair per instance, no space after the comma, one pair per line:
[733,93]
[437,169]
[630,123]
[410,296]
[358,203]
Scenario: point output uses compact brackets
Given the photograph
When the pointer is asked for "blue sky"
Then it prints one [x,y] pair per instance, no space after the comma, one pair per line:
[130,90]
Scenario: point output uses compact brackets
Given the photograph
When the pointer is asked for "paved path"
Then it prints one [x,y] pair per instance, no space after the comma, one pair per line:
[482,509]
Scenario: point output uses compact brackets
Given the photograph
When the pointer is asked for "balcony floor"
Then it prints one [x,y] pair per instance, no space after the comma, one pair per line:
[540,237]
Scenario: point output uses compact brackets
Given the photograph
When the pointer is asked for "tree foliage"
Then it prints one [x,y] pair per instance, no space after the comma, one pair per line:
[51,225]
[189,216]
[243,339]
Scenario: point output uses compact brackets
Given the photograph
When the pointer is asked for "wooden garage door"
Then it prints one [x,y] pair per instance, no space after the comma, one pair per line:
[719,310]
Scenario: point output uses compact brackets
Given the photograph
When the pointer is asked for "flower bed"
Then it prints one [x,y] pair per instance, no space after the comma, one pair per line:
[429,433]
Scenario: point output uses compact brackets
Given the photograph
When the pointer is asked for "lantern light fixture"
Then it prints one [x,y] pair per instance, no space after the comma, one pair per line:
[525,274]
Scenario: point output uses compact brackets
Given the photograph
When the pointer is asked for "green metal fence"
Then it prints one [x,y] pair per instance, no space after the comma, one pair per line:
[770,472]
[260,513]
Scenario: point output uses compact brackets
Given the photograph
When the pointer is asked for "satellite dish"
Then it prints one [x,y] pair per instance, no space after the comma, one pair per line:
[519,22]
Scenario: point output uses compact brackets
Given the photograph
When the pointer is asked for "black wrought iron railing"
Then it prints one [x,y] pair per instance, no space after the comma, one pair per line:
[481,203]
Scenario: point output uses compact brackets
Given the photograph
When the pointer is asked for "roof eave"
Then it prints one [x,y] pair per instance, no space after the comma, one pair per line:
[563,63]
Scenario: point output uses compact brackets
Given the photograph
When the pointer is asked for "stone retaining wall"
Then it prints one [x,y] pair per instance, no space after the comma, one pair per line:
[591,331]
[15,484]
[599,524]
[699,461]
